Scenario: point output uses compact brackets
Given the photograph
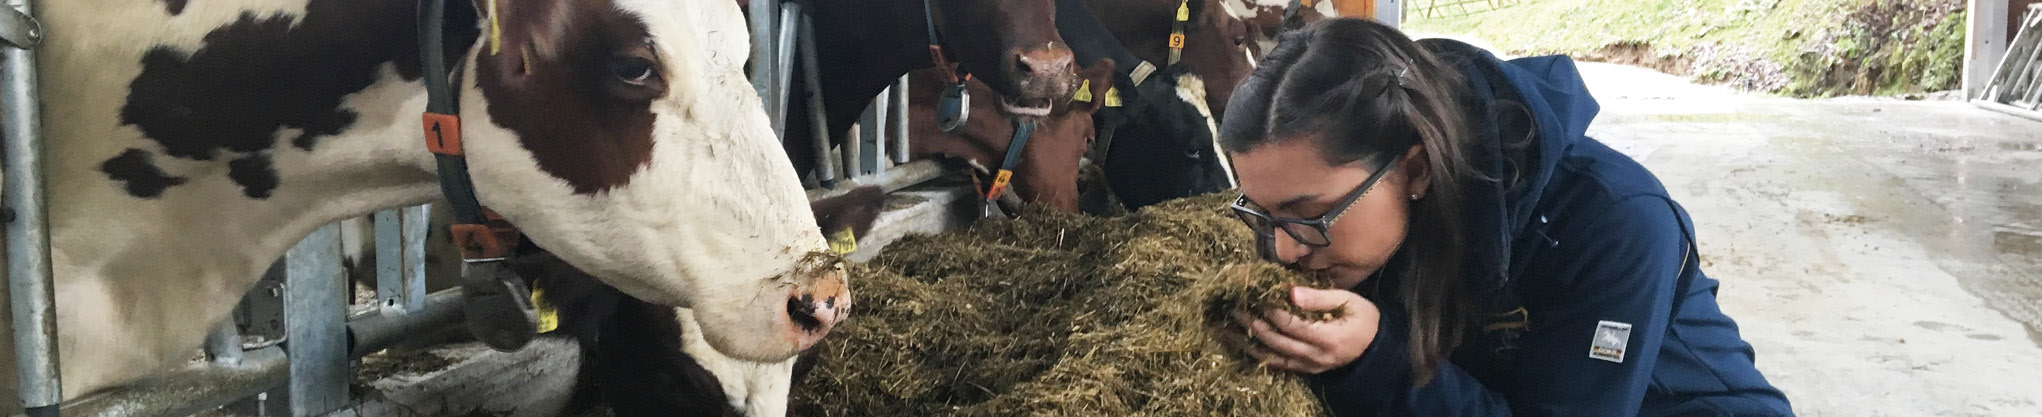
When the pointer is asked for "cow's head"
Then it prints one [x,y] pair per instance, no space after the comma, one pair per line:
[622,136]
[1168,150]
[1217,45]
[1011,45]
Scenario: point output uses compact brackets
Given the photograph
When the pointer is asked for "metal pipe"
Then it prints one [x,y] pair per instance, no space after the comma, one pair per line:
[895,179]
[761,18]
[315,310]
[400,258]
[881,118]
[850,151]
[783,69]
[33,298]
[811,70]
[191,389]
[381,329]
[417,226]
[223,344]
[899,113]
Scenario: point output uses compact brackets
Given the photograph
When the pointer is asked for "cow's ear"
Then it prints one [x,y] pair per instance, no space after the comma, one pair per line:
[1098,78]
[853,212]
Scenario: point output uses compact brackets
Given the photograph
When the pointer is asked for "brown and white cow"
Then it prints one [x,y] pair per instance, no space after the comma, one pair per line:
[191,143]
[1265,18]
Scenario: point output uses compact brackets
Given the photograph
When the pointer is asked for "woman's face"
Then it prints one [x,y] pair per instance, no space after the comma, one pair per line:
[1289,178]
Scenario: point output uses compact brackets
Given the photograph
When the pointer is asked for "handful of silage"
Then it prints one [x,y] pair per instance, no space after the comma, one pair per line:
[1059,314]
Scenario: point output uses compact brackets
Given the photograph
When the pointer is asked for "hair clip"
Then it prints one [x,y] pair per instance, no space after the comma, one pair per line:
[1403,76]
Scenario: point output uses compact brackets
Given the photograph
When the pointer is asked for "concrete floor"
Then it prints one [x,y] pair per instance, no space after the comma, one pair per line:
[1884,256]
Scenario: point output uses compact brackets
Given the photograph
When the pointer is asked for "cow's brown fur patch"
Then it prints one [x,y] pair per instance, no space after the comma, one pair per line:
[567,82]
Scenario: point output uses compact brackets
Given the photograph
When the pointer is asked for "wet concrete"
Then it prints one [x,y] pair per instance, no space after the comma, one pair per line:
[1884,257]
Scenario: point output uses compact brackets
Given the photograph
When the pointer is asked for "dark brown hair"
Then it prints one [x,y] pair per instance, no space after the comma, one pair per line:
[1363,91]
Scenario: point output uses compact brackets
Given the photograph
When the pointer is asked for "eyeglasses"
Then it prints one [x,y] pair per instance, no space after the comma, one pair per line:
[1311,232]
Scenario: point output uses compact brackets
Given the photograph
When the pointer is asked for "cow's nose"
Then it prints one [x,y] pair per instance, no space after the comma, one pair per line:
[1045,73]
[1044,62]
[815,309]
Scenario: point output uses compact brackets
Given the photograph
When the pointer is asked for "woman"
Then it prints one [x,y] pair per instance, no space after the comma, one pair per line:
[1492,260]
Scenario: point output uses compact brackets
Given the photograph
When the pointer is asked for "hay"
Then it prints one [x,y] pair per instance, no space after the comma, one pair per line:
[1058,314]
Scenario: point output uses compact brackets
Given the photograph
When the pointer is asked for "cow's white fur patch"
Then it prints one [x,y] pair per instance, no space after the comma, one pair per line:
[1191,89]
[753,388]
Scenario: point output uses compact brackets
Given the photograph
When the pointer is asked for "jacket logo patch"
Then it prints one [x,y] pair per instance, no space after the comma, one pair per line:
[1610,338]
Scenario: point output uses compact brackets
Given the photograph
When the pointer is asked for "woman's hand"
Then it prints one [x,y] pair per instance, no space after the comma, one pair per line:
[1286,341]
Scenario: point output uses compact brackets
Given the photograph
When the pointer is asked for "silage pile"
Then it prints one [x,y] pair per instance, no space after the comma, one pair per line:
[1058,314]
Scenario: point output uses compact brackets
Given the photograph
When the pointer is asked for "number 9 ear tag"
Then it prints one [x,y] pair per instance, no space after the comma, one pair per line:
[954,108]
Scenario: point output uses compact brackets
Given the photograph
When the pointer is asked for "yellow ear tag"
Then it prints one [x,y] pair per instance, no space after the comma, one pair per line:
[1183,11]
[495,31]
[1084,93]
[843,241]
[549,319]
[1113,97]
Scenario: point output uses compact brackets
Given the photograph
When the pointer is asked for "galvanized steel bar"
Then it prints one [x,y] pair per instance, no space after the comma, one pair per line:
[381,329]
[33,298]
[882,116]
[904,176]
[811,71]
[196,387]
[783,69]
[19,30]
[851,152]
[899,113]
[762,13]
[315,303]
[417,224]
[400,259]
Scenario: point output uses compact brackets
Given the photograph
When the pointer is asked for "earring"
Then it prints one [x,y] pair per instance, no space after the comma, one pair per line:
[1414,197]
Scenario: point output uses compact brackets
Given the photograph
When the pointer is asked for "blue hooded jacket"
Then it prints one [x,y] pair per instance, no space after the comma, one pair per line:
[1598,305]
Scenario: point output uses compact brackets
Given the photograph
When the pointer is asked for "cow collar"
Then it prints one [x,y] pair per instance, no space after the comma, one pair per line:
[953,73]
[953,107]
[1022,131]
[496,302]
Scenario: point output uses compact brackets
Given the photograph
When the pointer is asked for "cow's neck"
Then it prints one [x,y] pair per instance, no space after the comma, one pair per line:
[174,183]
[861,57]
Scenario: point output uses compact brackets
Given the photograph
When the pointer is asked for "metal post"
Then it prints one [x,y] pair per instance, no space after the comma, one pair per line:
[899,114]
[880,116]
[400,259]
[783,69]
[811,71]
[28,239]
[762,14]
[315,306]
[1985,43]
[851,150]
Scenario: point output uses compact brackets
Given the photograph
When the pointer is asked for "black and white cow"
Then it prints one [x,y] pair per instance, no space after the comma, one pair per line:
[190,143]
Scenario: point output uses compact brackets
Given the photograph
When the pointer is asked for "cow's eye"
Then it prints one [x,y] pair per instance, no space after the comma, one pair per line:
[632,70]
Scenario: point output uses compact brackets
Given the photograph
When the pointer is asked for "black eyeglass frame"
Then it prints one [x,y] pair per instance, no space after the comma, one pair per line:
[1269,223]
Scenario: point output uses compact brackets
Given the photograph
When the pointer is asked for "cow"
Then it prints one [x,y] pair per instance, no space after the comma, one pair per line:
[1265,18]
[1159,145]
[645,359]
[1216,43]
[1047,170]
[189,144]
[863,46]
